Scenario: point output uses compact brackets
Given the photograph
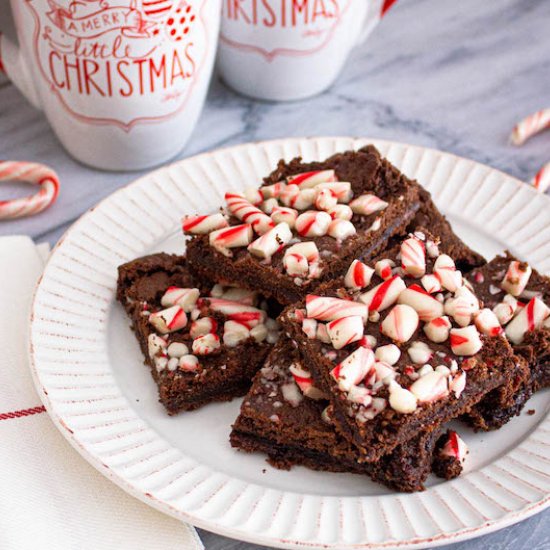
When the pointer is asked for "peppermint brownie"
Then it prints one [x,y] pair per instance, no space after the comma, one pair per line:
[286,417]
[304,225]
[519,296]
[203,343]
[428,353]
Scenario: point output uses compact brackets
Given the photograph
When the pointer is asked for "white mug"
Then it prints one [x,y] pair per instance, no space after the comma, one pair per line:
[122,82]
[290,49]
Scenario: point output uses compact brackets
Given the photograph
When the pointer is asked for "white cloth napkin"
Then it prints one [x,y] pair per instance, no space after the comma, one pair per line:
[50,496]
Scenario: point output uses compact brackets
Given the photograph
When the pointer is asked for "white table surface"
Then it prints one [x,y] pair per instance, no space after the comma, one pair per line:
[440,73]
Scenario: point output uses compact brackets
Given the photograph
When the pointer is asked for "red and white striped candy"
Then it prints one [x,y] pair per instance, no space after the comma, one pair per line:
[504,312]
[308,249]
[339,189]
[313,223]
[271,242]
[455,447]
[367,204]
[458,383]
[400,323]
[272,191]
[384,372]
[324,308]
[248,213]
[430,387]
[312,178]
[322,333]
[296,265]
[231,237]
[487,323]
[269,205]
[304,199]
[341,230]
[360,395]
[424,304]
[419,352]
[325,200]
[315,270]
[389,354]
[156,345]
[402,400]
[169,320]
[345,330]
[203,326]
[29,172]
[530,125]
[460,310]
[383,295]
[289,194]
[207,344]
[445,270]
[383,268]
[516,278]
[541,181]
[241,295]
[437,330]
[531,317]
[284,214]
[465,341]
[358,276]
[253,196]
[341,212]
[309,328]
[304,381]
[351,371]
[413,257]
[235,310]
[431,283]
[186,298]
[234,333]
[202,225]
[189,363]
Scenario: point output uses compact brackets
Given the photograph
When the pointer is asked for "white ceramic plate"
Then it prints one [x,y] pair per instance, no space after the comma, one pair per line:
[90,376]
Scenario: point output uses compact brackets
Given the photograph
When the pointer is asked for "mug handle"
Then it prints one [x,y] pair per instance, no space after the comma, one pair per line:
[376,10]
[16,69]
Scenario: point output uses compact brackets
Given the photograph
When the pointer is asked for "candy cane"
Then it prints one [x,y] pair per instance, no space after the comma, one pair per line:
[30,172]
[530,125]
[541,181]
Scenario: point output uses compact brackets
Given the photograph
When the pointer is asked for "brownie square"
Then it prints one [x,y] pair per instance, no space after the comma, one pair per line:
[378,203]
[278,419]
[214,345]
[419,362]
[531,343]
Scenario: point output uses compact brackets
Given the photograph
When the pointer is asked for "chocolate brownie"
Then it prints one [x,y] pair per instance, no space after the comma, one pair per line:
[202,343]
[426,355]
[278,418]
[519,296]
[304,225]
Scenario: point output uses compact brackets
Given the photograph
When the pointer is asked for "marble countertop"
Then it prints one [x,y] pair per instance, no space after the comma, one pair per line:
[450,75]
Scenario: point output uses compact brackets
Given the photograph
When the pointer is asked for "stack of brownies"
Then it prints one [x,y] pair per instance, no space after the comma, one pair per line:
[339,301]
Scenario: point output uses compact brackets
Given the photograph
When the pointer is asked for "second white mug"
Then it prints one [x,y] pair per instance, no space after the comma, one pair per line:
[291,49]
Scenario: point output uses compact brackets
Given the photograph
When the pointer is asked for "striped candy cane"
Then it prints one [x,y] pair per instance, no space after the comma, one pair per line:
[541,181]
[529,126]
[29,172]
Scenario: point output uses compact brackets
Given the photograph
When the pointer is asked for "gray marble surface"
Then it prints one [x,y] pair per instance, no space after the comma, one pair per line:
[441,73]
